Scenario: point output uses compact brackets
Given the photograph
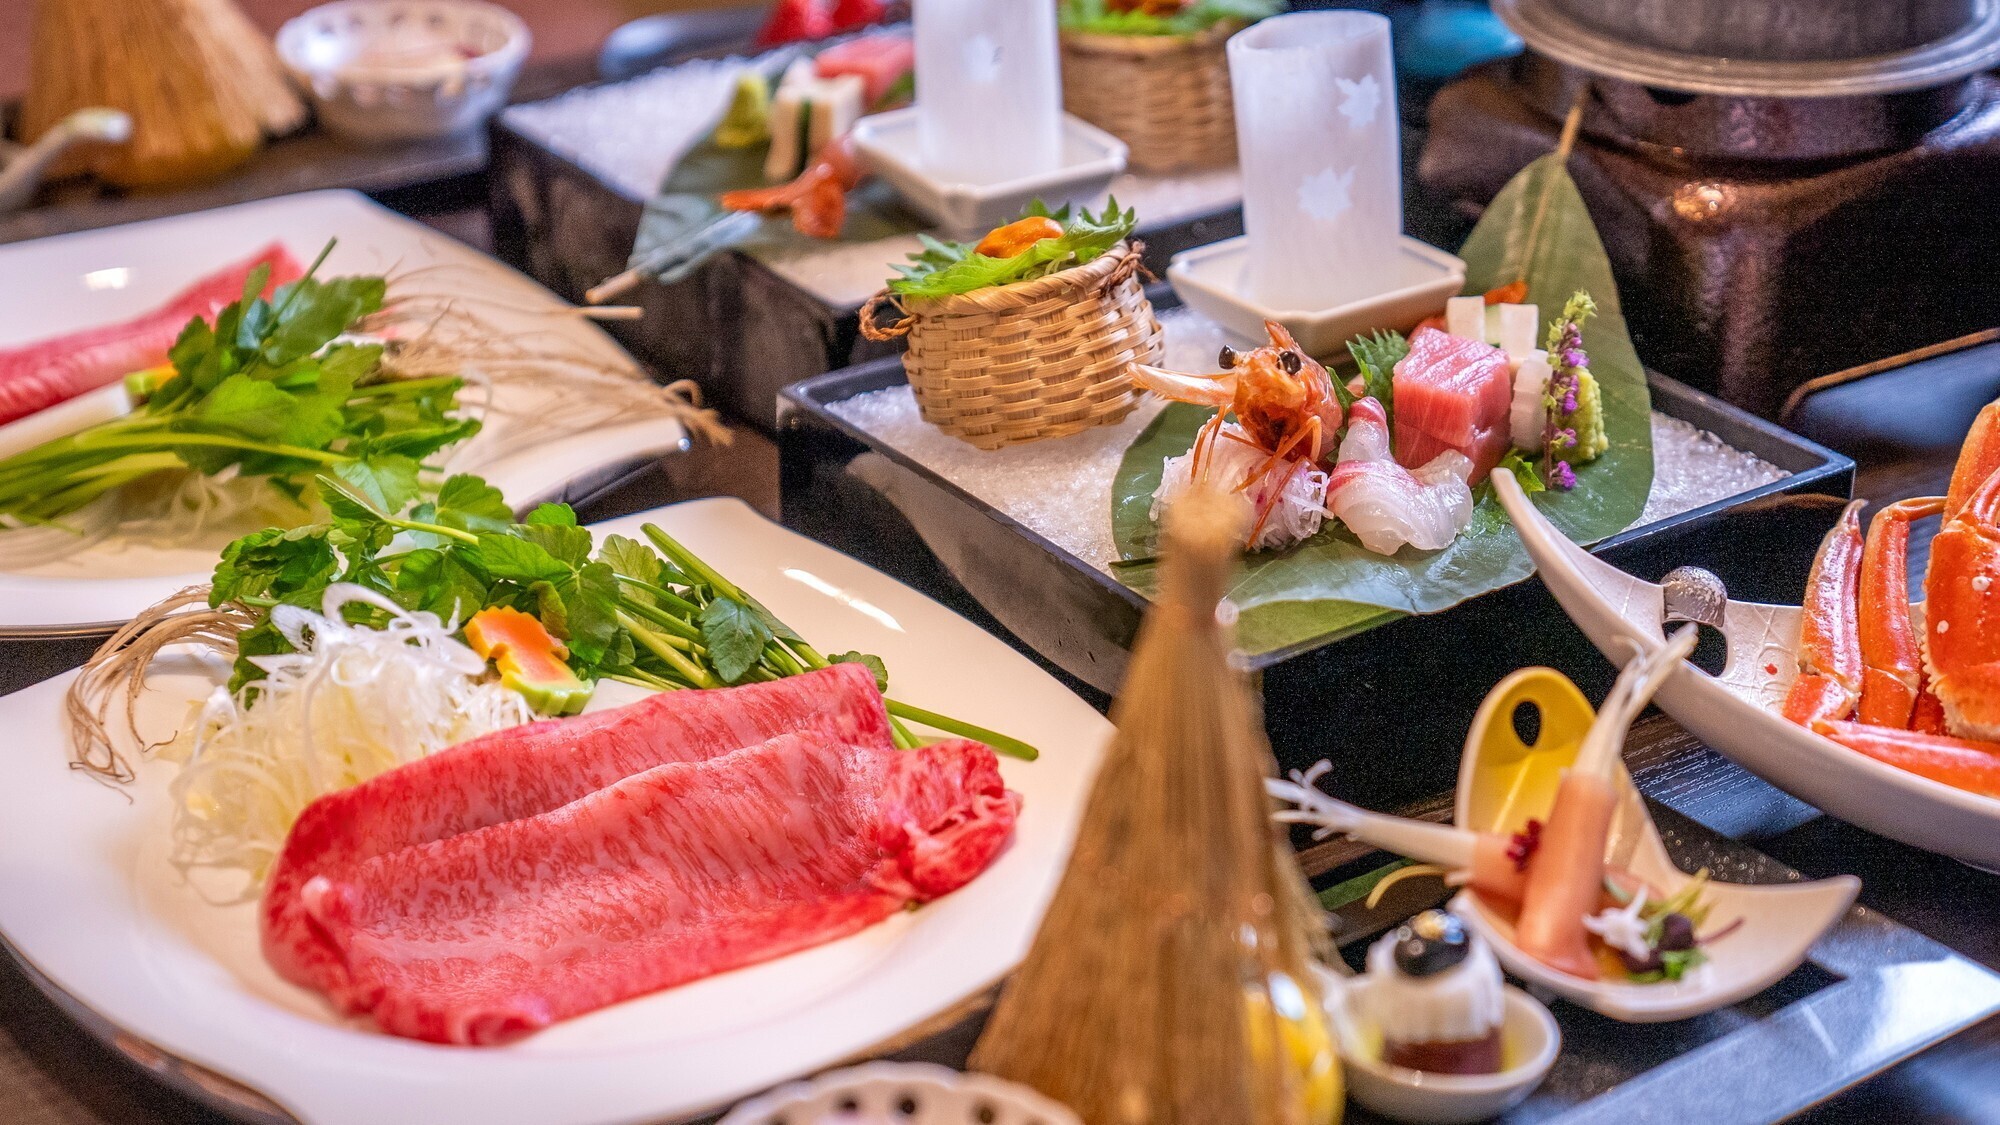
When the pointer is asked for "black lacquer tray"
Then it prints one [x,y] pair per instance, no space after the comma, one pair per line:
[1870,993]
[1356,698]
[734,325]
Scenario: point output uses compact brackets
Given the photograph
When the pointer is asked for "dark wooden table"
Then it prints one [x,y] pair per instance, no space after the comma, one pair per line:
[54,1073]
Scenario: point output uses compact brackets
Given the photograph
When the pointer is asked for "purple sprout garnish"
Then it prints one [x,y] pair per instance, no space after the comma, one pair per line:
[1565,348]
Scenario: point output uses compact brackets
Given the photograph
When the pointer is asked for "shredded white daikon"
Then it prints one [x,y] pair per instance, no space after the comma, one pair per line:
[1295,515]
[353,702]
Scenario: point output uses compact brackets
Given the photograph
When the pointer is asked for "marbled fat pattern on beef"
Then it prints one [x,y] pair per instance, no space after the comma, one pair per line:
[539,873]
[531,769]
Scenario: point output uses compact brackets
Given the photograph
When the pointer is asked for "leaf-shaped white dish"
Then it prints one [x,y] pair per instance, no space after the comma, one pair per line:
[1502,782]
[1736,712]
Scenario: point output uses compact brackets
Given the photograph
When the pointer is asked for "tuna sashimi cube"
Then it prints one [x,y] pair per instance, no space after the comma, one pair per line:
[1452,393]
[878,60]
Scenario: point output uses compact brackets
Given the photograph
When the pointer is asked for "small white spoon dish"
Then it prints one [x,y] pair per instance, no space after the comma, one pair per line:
[1529,1043]
[1504,782]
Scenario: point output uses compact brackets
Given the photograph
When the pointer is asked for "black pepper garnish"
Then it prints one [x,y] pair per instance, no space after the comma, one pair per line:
[1430,943]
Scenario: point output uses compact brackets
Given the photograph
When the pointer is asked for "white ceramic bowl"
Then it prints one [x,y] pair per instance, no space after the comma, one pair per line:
[1529,1038]
[906,1093]
[387,70]
[1209,280]
[889,144]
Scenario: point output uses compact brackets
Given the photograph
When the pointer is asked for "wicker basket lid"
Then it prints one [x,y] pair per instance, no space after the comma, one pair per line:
[1094,274]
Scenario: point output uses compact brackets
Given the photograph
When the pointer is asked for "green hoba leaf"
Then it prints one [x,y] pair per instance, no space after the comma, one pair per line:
[735,636]
[1330,587]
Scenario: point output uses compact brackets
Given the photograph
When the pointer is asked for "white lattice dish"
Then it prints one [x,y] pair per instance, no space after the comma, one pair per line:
[905,1093]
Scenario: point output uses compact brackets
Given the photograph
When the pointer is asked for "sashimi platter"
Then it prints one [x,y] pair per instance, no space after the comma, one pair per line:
[403,786]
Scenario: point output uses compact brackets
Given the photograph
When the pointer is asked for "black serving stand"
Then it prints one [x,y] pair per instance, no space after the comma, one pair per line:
[734,325]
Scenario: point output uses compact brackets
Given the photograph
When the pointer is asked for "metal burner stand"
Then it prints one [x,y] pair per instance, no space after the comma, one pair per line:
[1786,187]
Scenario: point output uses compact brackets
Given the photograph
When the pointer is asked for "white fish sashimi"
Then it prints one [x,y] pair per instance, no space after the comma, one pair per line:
[1387,506]
[1300,508]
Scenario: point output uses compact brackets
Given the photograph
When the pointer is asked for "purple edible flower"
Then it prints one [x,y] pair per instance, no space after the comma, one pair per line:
[1569,402]
[1563,477]
[1573,357]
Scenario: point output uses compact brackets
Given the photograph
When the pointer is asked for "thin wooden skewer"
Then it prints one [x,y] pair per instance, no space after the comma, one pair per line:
[1564,144]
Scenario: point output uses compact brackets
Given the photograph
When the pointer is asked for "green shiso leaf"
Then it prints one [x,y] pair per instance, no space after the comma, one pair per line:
[1377,356]
[1095,17]
[946,269]
[1330,587]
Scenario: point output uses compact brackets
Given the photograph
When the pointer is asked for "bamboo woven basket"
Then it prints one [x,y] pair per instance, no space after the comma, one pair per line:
[1032,360]
[1166,96]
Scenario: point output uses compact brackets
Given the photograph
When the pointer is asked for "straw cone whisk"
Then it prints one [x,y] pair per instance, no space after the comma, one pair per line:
[202,84]
[1171,982]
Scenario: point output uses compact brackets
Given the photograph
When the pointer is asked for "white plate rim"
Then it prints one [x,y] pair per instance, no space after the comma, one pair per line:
[367,231]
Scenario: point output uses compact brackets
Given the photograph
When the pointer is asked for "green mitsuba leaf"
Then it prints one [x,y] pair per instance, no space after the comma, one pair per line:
[735,636]
[510,558]
[388,483]
[552,515]
[873,663]
[630,558]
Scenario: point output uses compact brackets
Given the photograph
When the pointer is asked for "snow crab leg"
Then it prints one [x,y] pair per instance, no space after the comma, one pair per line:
[1977,460]
[1929,705]
[1892,672]
[1830,668]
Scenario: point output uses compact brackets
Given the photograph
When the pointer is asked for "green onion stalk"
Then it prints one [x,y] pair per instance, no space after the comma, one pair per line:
[677,642]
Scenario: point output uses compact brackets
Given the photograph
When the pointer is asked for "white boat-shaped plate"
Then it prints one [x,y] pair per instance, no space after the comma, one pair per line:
[1737,711]
[1503,782]
[111,275]
[90,901]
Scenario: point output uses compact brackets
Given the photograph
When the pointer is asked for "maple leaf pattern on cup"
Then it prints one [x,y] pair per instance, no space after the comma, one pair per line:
[1326,195]
[1359,101]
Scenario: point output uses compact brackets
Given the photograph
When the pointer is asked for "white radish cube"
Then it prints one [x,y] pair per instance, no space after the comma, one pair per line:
[1527,414]
[806,112]
[1465,317]
[1518,325]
